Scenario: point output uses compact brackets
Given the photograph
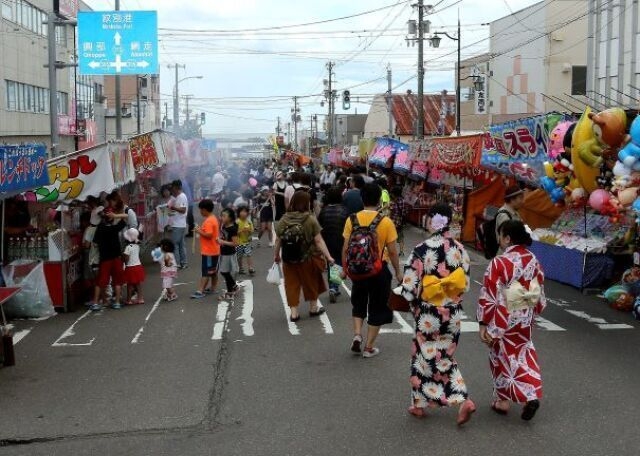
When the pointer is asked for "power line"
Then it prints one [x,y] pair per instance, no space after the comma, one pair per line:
[280,27]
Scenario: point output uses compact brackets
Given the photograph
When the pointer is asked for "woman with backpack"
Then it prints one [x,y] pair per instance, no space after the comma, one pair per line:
[303,255]
[436,276]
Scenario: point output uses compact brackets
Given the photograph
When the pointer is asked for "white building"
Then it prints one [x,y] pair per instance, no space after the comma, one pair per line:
[613,74]
[538,59]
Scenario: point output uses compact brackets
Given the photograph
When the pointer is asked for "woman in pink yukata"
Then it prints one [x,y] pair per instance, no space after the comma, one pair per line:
[511,298]
[436,276]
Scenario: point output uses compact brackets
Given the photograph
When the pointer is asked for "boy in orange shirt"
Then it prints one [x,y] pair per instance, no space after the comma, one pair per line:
[209,249]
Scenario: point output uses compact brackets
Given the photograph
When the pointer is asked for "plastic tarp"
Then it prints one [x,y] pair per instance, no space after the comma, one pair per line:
[33,301]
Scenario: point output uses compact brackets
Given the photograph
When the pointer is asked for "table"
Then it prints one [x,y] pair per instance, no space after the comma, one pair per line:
[573,267]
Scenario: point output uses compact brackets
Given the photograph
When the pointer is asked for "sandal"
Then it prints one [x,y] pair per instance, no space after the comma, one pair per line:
[498,410]
[317,313]
[293,319]
[530,409]
[417,412]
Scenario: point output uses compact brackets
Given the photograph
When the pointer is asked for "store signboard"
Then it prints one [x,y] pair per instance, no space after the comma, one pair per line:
[481,95]
[146,152]
[117,42]
[519,147]
[66,8]
[76,177]
[22,167]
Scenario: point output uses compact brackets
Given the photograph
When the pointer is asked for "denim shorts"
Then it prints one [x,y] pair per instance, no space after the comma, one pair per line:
[209,265]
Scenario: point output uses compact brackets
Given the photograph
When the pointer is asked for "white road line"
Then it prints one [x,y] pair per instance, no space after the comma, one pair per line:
[247,309]
[70,332]
[293,327]
[324,319]
[17,337]
[600,322]
[136,338]
[219,327]
[469,326]
[543,323]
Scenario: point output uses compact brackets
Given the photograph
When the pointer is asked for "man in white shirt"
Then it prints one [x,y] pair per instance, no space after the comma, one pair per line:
[218,182]
[178,206]
[328,178]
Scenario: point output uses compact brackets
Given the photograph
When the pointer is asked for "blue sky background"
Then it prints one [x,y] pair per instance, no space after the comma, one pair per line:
[250,76]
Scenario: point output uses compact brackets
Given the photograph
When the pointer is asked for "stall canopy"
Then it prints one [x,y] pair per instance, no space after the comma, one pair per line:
[98,169]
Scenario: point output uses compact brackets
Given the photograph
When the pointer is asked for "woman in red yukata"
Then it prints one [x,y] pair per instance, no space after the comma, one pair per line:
[511,298]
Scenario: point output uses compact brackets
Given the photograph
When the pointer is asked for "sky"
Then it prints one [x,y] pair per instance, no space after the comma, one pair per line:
[254,56]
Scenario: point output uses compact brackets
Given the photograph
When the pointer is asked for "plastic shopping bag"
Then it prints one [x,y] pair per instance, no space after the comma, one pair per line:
[33,301]
[274,277]
[335,274]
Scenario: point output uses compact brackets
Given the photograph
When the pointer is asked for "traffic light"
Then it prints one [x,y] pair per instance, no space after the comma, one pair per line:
[203,118]
[346,100]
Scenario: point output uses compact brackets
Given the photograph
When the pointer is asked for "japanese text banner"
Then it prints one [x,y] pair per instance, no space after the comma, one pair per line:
[22,167]
[76,177]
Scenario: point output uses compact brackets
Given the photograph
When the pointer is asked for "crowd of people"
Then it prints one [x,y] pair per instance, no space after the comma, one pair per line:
[350,225]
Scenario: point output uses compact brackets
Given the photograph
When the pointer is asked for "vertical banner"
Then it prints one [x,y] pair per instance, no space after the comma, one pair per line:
[121,163]
[23,167]
[480,99]
[145,155]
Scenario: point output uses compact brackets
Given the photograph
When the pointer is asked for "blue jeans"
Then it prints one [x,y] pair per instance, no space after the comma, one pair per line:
[177,236]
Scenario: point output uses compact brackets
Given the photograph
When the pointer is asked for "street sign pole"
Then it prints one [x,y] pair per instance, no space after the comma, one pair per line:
[118,91]
[53,83]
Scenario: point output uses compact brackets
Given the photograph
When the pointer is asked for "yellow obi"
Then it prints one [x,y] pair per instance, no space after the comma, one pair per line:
[435,290]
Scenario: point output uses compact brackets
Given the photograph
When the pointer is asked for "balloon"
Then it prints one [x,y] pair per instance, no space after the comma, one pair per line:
[253,182]
[556,146]
[598,199]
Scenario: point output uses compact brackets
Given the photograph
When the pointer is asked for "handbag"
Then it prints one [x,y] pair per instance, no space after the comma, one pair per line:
[397,302]
[274,276]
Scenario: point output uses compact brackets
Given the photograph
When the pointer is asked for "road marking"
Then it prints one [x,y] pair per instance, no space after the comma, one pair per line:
[543,323]
[293,327]
[247,309]
[466,325]
[324,319]
[18,336]
[136,338]
[221,317]
[600,322]
[69,332]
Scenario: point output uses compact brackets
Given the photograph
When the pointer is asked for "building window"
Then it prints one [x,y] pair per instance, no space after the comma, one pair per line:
[578,80]
[26,15]
[29,98]
[11,95]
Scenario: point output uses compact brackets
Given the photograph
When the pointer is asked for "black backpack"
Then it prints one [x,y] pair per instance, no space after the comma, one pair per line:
[293,243]
[487,236]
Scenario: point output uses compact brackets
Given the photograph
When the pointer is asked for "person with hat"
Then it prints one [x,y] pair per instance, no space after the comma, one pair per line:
[513,201]
[134,272]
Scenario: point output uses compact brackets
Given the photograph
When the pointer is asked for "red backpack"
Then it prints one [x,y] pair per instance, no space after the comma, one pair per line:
[363,256]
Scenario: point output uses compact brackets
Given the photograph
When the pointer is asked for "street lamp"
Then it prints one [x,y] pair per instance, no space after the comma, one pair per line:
[435,43]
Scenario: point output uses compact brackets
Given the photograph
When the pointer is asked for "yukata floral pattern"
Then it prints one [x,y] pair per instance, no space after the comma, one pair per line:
[513,358]
[435,380]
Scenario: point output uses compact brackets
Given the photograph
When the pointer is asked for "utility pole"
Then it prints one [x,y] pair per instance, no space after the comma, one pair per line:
[139,116]
[330,98]
[420,129]
[166,114]
[458,118]
[176,100]
[278,130]
[53,66]
[390,100]
[294,117]
[187,112]
[118,94]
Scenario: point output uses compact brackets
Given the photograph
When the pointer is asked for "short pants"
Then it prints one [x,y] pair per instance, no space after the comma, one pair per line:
[244,250]
[210,265]
[111,269]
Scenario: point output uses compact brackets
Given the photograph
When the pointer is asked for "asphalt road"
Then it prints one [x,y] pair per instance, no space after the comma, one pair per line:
[203,378]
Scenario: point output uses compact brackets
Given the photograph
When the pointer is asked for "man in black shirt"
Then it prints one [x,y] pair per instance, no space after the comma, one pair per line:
[352,198]
[107,238]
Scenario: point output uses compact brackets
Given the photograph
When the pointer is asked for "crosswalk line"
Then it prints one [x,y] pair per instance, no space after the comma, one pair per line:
[138,335]
[221,320]
[247,309]
[601,323]
[293,327]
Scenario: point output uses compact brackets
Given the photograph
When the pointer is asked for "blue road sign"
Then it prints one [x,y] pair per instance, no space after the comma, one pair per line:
[118,42]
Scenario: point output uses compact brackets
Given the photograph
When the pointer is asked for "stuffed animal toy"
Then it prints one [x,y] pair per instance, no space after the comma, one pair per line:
[609,129]
[630,154]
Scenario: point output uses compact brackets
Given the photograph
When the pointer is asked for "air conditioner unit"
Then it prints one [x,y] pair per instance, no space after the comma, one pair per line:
[566,67]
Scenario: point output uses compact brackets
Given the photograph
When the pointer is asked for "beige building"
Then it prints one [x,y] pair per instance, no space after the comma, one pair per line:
[474,88]
[539,58]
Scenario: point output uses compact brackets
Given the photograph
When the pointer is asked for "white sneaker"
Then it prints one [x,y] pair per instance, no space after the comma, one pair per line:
[270,244]
[370,352]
